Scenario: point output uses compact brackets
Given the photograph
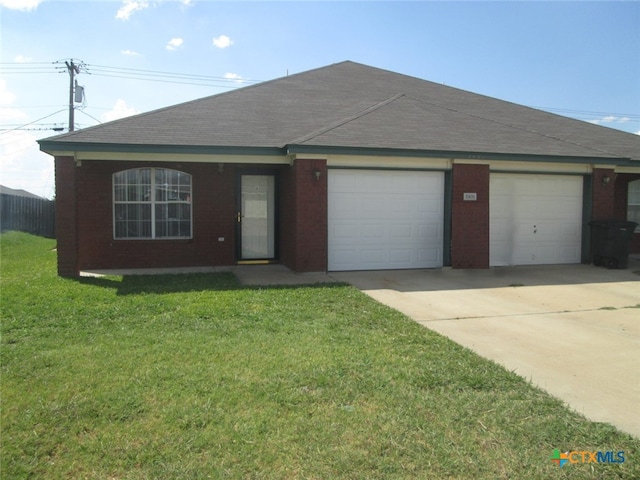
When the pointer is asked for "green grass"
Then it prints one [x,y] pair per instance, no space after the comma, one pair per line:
[195,376]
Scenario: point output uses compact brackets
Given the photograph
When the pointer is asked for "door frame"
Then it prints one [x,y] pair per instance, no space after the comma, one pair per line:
[276,215]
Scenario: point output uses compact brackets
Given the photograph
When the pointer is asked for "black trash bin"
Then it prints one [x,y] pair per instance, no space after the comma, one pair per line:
[610,242]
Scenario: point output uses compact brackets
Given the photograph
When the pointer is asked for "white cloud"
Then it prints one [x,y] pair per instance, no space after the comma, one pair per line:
[129,7]
[21,162]
[6,97]
[119,110]
[234,76]
[187,3]
[22,59]
[24,166]
[12,114]
[174,44]
[222,41]
[610,119]
[24,5]
[130,53]
[9,115]
[637,133]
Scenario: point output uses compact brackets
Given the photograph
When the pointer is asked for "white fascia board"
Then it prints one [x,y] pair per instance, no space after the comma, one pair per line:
[541,167]
[176,157]
[635,170]
[363,161]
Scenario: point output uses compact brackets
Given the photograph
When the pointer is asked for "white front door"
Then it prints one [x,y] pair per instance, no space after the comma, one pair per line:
[257,217]
[385,219]
[535,219]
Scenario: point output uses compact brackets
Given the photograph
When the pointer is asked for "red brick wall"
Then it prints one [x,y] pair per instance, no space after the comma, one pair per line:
[85,200]
[620,205]
[603,194]
[470,219]
[303,218]
[66,217]
[213,217]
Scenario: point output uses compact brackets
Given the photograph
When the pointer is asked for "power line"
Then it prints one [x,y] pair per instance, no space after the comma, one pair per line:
[131,74]
[31,123]
[155,73]
[55,129]
[630,116]
[163,81]
[90,116]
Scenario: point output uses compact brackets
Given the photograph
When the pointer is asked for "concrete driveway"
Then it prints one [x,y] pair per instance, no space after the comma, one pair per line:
[573,330]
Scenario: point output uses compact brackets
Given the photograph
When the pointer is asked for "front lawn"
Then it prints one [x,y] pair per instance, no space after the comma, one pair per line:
[195,376]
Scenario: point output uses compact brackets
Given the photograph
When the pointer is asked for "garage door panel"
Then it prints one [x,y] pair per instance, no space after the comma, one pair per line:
[429,206]
[400,256]
[535,219]
[344,231]
[430,256]
[346,256]
[430,233]
[395,219]
[373,232]
[373,255]
[348,208]
[402,232]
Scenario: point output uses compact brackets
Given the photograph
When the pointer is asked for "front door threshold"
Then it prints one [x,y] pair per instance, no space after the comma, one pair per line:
[256,262]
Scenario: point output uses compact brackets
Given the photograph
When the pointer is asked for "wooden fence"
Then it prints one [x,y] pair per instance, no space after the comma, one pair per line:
[26,214]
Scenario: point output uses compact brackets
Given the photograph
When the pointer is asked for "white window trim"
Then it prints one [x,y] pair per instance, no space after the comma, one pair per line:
[636,185]
[153,202]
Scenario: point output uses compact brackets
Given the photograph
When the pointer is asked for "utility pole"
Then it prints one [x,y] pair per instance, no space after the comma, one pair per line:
[73,70]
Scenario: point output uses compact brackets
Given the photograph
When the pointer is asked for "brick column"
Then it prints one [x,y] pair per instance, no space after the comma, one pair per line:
[603,207]
[66,217]
[311,215]
[470,217]
[304,229]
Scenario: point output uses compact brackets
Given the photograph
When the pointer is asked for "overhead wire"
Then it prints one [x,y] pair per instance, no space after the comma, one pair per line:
[155,73]
[129,74]
[31,123]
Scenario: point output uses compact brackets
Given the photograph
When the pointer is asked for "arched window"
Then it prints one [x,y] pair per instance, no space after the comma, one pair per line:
[151,203]
[633,203]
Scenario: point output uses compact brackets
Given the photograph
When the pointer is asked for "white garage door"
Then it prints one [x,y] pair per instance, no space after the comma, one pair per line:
[535,219]
[385,219]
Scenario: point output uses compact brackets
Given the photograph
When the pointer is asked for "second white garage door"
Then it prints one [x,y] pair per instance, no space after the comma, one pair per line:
[385,219]
[535,219]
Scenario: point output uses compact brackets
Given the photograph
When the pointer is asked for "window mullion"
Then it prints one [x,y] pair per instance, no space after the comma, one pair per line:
[152,198]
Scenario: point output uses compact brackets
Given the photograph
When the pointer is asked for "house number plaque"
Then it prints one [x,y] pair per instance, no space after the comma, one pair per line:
[470,197]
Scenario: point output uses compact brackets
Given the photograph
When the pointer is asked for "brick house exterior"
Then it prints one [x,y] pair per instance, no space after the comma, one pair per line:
[360,120]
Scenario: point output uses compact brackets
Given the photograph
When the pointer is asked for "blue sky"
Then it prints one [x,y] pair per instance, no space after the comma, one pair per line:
[575,58]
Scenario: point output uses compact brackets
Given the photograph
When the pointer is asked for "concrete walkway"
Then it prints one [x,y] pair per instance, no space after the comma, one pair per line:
[572,330]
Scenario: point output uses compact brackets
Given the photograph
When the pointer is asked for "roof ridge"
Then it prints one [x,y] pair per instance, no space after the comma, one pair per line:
[516,127]
[345,120]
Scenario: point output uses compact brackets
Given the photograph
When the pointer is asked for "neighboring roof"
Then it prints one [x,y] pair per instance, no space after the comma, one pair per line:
[353,106]
[17,193]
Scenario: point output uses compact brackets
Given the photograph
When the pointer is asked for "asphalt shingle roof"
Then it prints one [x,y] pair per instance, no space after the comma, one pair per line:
[354,105]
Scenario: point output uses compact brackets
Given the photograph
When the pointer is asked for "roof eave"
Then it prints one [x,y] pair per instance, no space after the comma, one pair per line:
[64,148]
[60,148]
[457,154]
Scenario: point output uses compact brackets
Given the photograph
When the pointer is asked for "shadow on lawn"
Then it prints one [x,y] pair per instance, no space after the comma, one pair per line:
[182,283]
